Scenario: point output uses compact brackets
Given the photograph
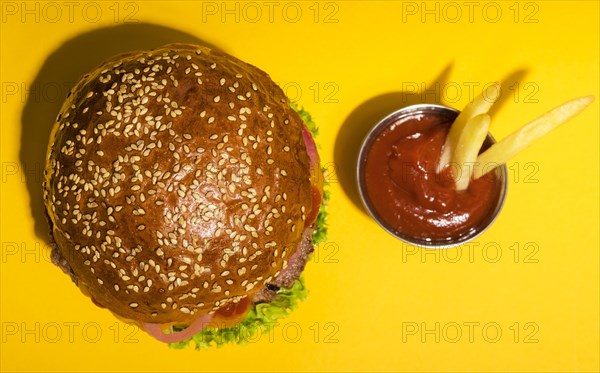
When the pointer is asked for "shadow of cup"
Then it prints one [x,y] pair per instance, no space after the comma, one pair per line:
[361,120]
[58,74]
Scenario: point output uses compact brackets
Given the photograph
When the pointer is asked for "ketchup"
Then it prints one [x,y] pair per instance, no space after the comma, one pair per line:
[410,196]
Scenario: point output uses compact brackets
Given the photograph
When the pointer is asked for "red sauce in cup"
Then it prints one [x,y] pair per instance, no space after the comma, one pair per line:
[408,194]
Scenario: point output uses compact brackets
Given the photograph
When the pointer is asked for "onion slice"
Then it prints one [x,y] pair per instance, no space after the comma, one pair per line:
[311,148]
[156,331]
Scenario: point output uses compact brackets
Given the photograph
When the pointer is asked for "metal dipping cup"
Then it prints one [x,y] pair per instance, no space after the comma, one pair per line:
[428,243]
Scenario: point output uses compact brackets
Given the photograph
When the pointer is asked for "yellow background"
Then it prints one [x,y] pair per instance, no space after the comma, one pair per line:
[375,304]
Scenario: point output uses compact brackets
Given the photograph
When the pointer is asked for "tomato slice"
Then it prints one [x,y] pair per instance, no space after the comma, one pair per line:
[316,204]
[316,177]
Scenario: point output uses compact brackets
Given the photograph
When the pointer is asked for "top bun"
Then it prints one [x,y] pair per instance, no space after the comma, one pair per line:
[177,182]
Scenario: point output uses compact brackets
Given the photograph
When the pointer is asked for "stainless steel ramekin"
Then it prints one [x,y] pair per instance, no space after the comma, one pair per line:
[411,111]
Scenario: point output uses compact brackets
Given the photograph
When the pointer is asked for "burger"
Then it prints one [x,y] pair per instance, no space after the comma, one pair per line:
[184,194]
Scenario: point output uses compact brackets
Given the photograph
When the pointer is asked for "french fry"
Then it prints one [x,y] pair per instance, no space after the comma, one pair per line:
[480,105]
[508,147]
[467,149]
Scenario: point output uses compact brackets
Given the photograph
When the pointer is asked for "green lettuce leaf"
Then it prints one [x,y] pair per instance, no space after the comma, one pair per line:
[263,317]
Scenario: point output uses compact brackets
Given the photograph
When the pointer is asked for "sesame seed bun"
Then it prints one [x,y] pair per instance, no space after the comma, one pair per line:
[177,182]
